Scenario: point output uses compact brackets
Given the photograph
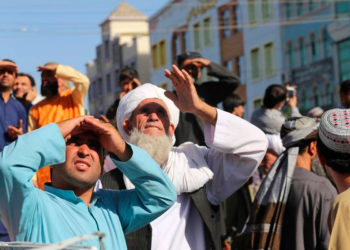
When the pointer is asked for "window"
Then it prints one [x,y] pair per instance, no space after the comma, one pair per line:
[329,94]
[255,64]
[229,65]
[226,23]
[327,44]
[313,47]
[106,49]
[300,7]
[290,55]
[108,83]
[289,9]
[342,7]
[302,52]
[207,32]
[185,41]
[257,103]
[116,53]
[266,9]
[196,36]
[155,56]
[162,53]
[269,54]
[344,59]
[251,12]
[312,5]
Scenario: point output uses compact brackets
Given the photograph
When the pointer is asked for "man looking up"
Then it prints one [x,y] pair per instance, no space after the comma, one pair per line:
[203,177]
[24,90]
[68,207]
[212,92]
[334,153]
[60,104]
[13,117]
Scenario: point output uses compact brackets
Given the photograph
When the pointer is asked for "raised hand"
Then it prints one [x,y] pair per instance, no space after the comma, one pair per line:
[186,97]
[14,132]
[50,67]
[8,65]
[72,126]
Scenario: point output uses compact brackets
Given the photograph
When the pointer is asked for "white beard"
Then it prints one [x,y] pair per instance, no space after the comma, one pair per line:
[158,147]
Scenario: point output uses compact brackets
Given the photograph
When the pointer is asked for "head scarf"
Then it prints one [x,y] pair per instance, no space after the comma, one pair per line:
[132,99]
[264,226]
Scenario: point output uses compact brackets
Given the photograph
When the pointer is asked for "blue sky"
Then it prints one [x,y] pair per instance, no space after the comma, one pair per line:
[64,31]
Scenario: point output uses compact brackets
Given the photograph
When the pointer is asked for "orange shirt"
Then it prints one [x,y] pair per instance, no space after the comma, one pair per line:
[67,105]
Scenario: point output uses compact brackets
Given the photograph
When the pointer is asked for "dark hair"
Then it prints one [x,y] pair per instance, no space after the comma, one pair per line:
[187,55]
[31,79]
[339,162]
[129,73]
[8,60]
[232,101]
[274,94]
[345,87]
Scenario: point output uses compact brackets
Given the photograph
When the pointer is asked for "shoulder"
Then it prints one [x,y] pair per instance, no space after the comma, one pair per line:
[343,199]
[18,106]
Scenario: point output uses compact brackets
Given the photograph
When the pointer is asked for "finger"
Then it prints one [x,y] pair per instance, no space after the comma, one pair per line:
[172,96]
[188,78]
[178,73]
[171,76]
[20,124]
[104,118]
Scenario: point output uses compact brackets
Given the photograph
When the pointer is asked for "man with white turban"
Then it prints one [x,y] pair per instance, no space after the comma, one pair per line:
[203,177]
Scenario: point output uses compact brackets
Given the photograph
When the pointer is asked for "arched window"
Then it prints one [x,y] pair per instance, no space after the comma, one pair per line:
[313,47]
[290,55]
[302,51]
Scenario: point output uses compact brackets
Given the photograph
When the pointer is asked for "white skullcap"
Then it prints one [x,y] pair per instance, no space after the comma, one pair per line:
[132,99]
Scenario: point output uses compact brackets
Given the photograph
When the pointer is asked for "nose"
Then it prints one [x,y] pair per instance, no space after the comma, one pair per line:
[83,151]
[153,116]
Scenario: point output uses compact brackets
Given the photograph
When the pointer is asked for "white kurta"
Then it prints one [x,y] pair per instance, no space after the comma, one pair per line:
[236,148]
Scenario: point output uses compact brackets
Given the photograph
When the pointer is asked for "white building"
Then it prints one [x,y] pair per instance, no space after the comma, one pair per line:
[125,42]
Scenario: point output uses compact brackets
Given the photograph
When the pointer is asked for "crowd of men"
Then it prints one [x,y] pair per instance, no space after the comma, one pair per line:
[170,169]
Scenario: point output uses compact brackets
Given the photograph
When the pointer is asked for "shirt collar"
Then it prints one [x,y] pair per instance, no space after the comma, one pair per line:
[69,195]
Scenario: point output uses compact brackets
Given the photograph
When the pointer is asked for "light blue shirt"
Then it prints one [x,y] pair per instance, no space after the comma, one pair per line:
[54,215]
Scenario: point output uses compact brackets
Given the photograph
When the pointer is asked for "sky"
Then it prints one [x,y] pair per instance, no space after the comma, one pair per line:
[65,31]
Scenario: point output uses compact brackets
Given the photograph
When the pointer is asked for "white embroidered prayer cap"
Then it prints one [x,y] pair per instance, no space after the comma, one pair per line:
[132,99]
[335,130]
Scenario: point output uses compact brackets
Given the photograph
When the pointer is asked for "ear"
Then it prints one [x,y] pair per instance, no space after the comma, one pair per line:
[171,129]
[312,149]
[127,126]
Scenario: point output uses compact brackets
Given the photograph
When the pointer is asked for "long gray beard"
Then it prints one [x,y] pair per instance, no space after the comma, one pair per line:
[158,147]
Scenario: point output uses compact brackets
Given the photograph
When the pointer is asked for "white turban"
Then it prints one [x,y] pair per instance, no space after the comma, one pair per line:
[132,99]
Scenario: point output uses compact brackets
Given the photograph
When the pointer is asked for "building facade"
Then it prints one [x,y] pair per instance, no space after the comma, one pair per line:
[209,27]
[125,42]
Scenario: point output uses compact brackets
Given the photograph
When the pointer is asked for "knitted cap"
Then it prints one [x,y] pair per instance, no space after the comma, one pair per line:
[334,130]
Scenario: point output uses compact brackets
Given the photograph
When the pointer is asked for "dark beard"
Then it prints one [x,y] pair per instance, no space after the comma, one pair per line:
[50,89]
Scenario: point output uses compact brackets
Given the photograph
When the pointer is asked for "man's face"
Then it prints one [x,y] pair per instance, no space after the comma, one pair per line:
[7,77]
[127,84]
[21,87]
[49,84]
[238,111]
[192,68]
[82,167]
[151,117]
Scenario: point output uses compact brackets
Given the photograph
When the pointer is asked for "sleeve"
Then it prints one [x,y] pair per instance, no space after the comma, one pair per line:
[32,120]
[80,81]
[214,92]
[327,194]
[154,193]
[236,150]
[18,163]
[340,217]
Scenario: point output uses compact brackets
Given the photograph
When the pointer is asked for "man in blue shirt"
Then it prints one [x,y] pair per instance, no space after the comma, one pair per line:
[13,117]
[68,206]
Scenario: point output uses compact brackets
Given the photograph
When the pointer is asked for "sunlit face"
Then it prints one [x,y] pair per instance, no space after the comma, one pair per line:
[7,77]
[267,162]
[82,167]
[151,117]
[22,86]
[238,111]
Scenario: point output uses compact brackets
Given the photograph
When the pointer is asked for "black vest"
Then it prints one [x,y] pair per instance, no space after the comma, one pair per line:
[142,238]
